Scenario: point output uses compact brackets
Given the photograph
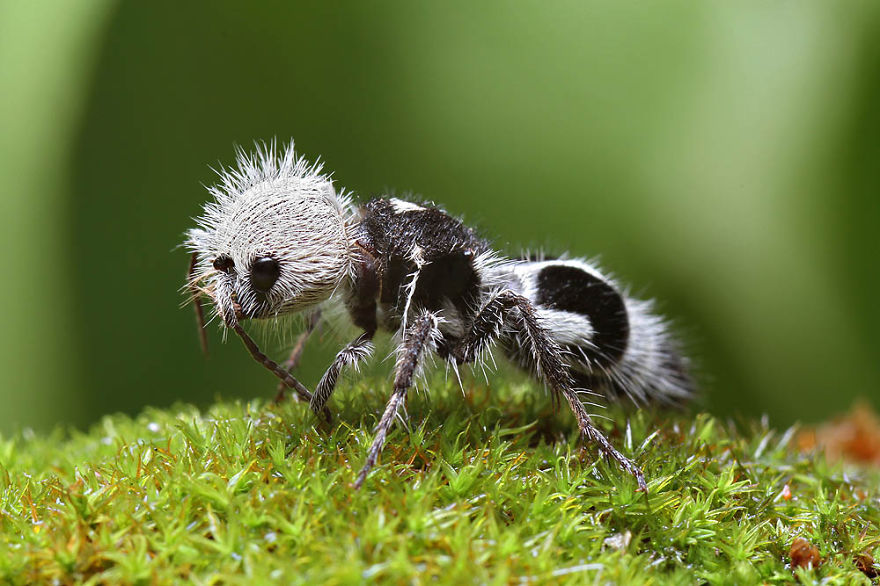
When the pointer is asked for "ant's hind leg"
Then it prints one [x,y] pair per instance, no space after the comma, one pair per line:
[510,308]
[422,335]
[551,365]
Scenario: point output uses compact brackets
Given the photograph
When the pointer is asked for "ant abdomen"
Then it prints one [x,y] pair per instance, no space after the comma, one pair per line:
[615,345]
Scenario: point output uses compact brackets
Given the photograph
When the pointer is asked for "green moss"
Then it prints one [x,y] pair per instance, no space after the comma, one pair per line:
[492,488]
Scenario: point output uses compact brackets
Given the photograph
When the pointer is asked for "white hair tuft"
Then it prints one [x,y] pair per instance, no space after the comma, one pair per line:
[272,204]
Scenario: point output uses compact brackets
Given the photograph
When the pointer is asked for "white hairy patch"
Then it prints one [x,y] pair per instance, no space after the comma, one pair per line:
[645,370]
[273,203]
[494,270]
[401,206]
[566,327]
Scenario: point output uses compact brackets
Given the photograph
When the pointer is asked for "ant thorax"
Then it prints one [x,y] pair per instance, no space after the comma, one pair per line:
[415,257]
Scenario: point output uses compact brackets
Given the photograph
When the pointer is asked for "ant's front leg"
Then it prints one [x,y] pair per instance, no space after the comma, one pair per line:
[293,360]
[288,379]
[359,349]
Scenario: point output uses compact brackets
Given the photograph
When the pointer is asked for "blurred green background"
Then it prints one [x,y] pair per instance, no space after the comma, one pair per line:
[721,157]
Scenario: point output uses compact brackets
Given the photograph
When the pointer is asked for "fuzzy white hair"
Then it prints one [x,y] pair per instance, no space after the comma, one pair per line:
[272,203]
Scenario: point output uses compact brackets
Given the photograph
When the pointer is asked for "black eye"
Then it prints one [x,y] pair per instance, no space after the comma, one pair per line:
[223,263]
[264,273]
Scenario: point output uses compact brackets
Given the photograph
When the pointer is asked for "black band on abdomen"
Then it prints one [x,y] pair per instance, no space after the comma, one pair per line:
[568,288]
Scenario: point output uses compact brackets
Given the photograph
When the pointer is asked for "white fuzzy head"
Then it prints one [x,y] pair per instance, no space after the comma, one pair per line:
[275,240]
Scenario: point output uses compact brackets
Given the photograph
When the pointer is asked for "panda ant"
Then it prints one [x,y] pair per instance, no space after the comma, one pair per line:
[279,239]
